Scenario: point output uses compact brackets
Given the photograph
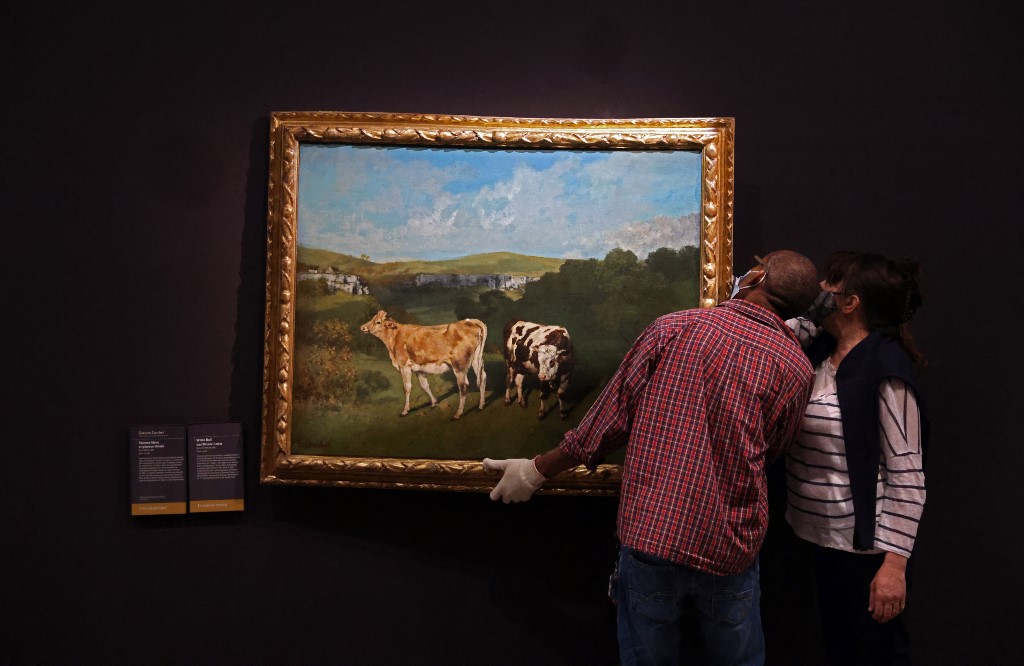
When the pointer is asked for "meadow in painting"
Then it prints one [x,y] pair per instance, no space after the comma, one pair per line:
[597,243]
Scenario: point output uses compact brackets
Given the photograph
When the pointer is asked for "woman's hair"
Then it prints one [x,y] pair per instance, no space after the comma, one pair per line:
[890,291]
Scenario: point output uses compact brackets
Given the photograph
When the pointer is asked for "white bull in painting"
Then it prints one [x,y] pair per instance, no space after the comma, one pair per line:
[433,350]
[538,349]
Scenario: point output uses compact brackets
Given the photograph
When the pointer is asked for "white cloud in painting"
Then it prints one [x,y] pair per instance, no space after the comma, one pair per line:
[406,203]
[645,237]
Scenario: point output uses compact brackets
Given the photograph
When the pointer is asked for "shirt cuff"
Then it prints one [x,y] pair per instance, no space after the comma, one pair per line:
[571,446]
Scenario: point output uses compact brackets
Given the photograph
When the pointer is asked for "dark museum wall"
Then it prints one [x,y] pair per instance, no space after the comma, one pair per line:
[134,203]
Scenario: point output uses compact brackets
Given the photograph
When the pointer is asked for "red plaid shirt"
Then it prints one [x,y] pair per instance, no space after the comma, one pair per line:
[705,398]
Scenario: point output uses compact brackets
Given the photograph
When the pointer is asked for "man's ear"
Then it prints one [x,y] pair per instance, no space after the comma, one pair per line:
[852,301]
[756,277]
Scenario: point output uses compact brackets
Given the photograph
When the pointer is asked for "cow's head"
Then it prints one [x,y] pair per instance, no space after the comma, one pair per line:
[381,321]
[548,359]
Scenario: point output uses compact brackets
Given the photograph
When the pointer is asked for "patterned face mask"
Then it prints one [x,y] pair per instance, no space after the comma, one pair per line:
[823,306]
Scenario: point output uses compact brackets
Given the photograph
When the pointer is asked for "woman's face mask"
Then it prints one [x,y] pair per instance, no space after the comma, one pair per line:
[823,306]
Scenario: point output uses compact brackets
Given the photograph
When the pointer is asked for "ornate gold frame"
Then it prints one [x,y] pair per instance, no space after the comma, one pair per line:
[713,137]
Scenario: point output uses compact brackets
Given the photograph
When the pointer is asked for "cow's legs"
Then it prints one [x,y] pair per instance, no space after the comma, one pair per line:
[508,386]
[407,385]
[463,382]
[519,389]
[481,381]
[478,368]
[563,411]
[426,388]
[545,391]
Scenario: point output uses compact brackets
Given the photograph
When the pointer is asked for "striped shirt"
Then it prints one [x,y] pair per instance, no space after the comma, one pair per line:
[705,398]
[820,504]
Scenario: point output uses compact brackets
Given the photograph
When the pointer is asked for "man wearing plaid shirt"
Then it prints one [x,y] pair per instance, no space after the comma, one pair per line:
[704,399]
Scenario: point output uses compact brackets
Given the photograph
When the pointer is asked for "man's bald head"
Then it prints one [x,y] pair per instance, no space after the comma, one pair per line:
[792,283]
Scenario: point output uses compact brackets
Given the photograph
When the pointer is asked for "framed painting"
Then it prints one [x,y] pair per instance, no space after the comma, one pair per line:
[430,276]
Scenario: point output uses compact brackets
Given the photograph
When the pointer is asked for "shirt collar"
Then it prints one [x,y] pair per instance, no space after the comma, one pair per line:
[756,312]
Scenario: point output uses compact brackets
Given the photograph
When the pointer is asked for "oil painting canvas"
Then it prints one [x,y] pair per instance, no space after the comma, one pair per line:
[413,261]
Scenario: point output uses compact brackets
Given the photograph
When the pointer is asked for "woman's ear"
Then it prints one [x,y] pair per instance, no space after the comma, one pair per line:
[851,304]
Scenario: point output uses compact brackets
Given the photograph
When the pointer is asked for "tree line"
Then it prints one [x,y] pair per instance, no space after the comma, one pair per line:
[606,301]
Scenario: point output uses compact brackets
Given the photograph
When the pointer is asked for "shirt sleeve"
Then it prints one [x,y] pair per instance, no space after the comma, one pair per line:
[903,468]
[607,424]
[787,425]
[804,330]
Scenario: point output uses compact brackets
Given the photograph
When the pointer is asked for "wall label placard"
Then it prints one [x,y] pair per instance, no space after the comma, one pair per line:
[157,459]
[215,468]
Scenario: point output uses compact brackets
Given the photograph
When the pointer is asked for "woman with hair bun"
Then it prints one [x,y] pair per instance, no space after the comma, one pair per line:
[855,475]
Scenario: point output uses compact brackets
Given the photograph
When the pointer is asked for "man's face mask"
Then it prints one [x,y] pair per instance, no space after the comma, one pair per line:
[736,288]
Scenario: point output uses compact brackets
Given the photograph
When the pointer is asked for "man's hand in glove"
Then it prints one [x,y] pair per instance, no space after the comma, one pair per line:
[519,479]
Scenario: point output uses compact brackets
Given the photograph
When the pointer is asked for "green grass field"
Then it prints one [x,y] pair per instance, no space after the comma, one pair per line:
[374,427]
[368,423]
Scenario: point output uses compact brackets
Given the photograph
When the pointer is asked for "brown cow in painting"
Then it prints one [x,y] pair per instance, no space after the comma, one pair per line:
[432,350]
[537,349]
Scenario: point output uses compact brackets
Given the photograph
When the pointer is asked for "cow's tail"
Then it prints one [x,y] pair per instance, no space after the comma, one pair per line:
[478,360]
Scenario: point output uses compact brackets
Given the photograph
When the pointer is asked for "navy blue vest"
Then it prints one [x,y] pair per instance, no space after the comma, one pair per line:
[875,358]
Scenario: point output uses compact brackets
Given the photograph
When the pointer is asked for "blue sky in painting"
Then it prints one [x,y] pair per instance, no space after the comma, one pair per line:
[396,203]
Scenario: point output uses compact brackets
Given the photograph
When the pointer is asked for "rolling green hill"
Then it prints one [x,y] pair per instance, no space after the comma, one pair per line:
[347,263]
[474,264]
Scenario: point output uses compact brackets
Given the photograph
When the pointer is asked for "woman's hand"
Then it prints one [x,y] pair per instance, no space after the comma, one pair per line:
[889,588]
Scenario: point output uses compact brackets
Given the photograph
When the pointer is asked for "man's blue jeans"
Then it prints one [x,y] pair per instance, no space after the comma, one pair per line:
[652,593]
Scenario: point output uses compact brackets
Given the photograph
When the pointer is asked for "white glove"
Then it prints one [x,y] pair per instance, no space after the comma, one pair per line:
[519,479]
